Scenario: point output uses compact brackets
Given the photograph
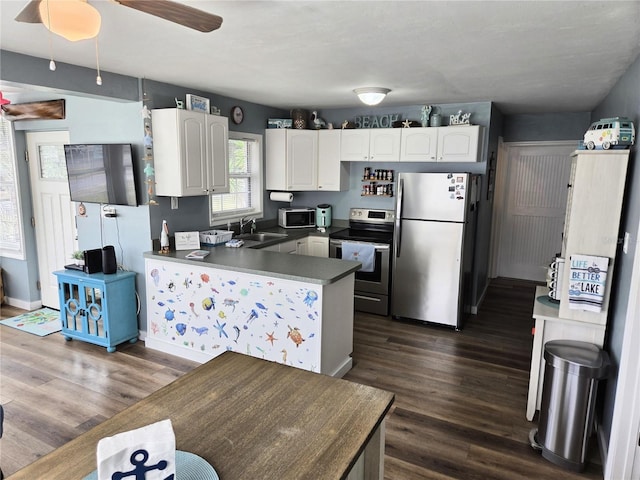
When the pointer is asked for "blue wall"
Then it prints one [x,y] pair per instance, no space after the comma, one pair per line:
[545,127]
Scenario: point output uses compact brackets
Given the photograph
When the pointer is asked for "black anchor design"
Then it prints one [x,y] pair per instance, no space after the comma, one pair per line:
[140,470]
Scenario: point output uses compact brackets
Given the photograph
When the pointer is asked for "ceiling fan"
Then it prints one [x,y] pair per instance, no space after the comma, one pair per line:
[174,12]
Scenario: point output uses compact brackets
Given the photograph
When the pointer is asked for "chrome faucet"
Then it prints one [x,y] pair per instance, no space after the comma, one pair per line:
[243,223]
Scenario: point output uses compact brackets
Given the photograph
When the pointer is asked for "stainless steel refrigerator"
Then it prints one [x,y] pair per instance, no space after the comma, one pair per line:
[433,246]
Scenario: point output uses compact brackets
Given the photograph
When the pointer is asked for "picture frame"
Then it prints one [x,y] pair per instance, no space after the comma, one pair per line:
[197,103]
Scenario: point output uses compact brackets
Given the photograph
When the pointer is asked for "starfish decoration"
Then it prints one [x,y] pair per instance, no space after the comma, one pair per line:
[146,113]
[271,338]
[406,124]
[220,329]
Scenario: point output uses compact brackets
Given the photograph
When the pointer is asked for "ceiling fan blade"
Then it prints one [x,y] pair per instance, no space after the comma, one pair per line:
[30,13]
[177,13]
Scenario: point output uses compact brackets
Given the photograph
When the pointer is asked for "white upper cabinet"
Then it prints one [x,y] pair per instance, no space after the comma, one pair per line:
[458,143]
[292,159]
[440,144]
[418,144]
[370,145]
[333,175]
[189,153]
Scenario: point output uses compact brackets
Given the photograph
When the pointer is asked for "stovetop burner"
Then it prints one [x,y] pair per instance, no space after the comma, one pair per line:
[368,225]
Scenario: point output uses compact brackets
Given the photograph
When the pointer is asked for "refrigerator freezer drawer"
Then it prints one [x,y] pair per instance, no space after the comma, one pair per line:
[427,273]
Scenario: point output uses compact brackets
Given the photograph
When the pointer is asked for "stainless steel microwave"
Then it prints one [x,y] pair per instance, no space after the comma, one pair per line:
[302,217]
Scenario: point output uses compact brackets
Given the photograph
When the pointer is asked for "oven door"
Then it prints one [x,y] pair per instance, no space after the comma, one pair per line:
[373,282]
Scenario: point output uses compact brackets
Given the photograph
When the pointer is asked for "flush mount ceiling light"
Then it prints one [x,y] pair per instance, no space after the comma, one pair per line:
[371,95]
[72,19]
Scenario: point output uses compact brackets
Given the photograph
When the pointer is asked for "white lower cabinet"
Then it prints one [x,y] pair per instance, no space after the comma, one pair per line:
[318,246]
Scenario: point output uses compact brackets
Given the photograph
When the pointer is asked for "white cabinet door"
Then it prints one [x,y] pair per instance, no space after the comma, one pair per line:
[458,143]
[418,144]
[318,246]
[384,144]
[189,152]
[302,160]
[354,145]
[290,246]
[302,246]
[333,175]
[217,153]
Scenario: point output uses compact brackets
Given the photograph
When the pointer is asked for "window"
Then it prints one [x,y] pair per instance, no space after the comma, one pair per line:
[245,181]
[11,233]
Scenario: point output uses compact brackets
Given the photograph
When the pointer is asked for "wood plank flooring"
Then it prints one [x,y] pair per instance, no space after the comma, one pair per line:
[460,396]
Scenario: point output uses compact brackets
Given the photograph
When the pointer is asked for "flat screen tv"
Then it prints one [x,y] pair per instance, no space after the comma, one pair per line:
[101,173]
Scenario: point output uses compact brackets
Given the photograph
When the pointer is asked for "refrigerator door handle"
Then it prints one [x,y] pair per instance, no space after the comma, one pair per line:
[397,234]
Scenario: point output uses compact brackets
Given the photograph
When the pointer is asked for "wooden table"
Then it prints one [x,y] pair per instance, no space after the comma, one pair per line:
[250,419]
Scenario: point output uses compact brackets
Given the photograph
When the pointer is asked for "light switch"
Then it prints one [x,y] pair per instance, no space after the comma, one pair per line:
[625,242]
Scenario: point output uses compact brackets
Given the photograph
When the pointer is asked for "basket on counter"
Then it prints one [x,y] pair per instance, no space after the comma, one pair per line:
[215,237]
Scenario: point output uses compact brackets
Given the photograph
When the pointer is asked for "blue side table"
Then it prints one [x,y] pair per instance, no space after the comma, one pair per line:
[98,308]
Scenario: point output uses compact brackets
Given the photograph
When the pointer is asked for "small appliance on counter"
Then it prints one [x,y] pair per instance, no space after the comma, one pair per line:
[323,215]
[301,217]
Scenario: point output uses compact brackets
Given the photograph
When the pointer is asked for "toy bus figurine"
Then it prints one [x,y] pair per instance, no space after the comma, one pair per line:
[610,132]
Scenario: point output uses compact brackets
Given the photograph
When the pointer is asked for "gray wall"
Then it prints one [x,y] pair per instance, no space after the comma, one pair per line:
[546,127]
[622,100]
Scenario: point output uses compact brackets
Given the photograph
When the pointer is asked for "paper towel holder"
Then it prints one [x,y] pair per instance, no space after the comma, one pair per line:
[281,196]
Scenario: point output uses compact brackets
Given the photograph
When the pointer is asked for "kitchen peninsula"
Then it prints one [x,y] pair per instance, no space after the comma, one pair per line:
[291,309]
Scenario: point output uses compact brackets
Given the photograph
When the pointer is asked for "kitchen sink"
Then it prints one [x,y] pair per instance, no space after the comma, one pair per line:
[260,236]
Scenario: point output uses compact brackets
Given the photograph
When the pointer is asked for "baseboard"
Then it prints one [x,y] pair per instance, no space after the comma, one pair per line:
[16,302]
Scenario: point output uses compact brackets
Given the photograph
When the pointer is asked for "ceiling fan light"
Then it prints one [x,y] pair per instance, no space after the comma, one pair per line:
[72,19]
[371,95]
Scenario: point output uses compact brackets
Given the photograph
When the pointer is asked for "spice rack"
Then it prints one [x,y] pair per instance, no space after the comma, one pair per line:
[377,183]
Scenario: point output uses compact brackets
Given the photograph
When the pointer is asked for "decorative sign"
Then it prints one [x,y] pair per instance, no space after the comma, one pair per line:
[459,118]
[380,121]
[187,240]
[587,281]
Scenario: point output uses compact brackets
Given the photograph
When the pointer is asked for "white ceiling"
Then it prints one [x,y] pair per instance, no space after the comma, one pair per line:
[527,56]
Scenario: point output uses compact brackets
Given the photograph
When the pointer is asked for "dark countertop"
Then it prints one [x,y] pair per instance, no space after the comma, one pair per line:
[251,259]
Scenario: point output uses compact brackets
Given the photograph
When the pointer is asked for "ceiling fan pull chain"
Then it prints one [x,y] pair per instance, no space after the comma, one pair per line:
[98,78]
[52,64]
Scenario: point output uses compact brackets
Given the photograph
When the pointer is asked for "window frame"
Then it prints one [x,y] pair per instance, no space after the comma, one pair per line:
[6,251]
[257,185]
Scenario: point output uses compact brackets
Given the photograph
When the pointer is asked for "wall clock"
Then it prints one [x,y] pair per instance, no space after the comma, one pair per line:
[237,115]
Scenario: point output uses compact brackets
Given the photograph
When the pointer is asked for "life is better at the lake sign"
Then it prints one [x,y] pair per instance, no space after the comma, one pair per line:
[587,282]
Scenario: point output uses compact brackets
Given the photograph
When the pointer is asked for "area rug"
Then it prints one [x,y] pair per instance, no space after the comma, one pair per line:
[39,322]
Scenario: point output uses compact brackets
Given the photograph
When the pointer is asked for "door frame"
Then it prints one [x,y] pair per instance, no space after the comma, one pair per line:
[501,189]
[623,440]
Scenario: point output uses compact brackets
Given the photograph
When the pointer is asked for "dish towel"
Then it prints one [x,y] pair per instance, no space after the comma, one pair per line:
[148,451]
[587,281]
[360,252]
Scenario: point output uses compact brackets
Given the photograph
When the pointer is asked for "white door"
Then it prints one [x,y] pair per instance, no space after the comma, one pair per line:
[532,210]
[55,228]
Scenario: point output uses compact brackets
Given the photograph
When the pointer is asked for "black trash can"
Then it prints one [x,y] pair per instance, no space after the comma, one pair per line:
[568,400]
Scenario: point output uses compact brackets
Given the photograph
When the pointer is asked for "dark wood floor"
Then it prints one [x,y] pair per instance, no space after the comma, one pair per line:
[460,396]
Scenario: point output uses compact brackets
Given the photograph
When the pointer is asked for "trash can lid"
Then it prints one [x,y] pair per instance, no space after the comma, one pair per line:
[577,358]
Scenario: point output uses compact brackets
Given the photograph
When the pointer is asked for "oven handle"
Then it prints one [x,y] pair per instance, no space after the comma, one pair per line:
[378,246]
[397,231]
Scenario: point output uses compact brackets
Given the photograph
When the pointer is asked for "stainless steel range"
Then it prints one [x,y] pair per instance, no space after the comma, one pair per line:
[373,229]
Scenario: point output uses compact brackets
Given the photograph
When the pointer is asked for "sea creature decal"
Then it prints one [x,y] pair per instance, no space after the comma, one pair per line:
[295,335]
[181,328]
[230,302]
[311,297]
[169,314]
[209,303]
[200,330]
[155,275]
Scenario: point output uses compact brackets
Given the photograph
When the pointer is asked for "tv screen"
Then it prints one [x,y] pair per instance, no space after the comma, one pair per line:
[101,173]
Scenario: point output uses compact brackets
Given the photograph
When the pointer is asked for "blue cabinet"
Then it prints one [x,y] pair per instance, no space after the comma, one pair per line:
[98,308]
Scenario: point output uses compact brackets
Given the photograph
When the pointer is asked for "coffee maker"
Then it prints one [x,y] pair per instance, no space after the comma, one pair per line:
[323,215]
